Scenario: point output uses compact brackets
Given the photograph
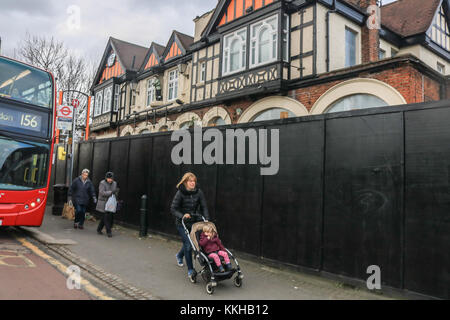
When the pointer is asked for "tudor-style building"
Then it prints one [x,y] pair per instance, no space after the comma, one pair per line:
[252,60]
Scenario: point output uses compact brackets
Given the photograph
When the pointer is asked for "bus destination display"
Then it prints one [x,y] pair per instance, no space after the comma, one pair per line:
[20,119]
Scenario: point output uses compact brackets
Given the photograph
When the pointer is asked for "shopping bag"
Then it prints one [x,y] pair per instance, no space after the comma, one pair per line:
[111,204]
[68,211]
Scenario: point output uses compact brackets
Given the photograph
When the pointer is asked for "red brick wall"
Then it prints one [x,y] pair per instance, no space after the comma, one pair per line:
[409,82]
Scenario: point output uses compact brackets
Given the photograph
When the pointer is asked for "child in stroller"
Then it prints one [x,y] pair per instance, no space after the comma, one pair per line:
[213,247]
[210,271]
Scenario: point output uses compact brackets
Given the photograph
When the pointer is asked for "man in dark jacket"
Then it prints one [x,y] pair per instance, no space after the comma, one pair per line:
[80,193]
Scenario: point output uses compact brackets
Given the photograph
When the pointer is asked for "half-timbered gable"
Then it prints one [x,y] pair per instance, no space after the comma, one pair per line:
[120,63]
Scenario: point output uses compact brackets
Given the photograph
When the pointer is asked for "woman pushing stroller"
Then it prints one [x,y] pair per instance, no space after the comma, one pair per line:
[188,201]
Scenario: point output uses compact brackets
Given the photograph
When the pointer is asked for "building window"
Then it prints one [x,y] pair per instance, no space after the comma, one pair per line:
[186,125]
[439,31]
[381,54]
[163,129]
[394,52]
[234,51]
[151,91]
[285,38]
[356,101]
[116,97]
[98,103]
[263,41]
[216,121]
[273,114]
[203,72]
[441,68]
[107,100]
[145,131]
[350,47]
[173,85]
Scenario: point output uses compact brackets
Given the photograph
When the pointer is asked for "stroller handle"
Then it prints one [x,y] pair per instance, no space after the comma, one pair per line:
[193,215]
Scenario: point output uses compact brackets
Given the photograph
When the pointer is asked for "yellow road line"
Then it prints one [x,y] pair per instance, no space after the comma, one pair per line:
[62,268]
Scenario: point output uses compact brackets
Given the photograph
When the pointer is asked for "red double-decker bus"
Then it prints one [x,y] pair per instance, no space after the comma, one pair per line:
[27,128]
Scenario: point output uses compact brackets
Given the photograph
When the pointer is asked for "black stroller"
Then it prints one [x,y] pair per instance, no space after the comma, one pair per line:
[210,272]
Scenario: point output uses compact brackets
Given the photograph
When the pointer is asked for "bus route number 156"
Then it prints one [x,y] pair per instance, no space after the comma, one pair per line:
[28,121]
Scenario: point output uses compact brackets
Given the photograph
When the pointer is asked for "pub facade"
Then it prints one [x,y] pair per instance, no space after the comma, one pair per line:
[253,60]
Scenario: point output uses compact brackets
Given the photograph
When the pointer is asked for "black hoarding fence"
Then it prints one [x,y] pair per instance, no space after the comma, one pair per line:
[354,190]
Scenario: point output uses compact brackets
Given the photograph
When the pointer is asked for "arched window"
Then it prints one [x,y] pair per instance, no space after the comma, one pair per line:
[186,125]
[356,101]
[234,48]
[217,121]
[163,129]
[144,131]
[264,39]
[273,114]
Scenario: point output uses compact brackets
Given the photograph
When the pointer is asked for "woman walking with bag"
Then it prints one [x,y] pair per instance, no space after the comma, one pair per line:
[107,189]
[187,202]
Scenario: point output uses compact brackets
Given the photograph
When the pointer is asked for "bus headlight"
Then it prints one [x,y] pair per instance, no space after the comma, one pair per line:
[38,200]
[33,204]
[26,207]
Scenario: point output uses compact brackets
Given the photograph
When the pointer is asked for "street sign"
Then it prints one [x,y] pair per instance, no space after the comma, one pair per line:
[64,123]
[65,112]
[75,103]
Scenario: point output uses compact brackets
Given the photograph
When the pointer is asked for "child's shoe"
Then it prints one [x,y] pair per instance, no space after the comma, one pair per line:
[221,269]
[228,267]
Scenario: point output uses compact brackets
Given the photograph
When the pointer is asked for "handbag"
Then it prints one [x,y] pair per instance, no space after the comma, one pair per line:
[111,204]
[68,211]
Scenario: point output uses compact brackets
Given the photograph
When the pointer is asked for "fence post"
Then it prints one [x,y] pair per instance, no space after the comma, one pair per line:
[143,229]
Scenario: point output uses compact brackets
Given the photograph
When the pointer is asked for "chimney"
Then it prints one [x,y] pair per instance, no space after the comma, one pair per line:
[370,35]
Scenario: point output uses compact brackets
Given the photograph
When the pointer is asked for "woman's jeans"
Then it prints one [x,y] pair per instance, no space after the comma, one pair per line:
[80,214]
[186,250]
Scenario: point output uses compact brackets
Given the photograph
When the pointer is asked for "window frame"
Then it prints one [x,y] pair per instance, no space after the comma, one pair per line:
[107,99]
[98,106]
[202,71]
[355,33]
[226,54]
[151,92]
[172,84]
[254,41]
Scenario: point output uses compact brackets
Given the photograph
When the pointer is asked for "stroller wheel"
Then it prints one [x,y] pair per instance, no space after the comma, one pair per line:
[237,281]
[210,288]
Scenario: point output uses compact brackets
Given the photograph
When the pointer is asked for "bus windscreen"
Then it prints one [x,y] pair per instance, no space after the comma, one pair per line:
[25,84]
[23,164]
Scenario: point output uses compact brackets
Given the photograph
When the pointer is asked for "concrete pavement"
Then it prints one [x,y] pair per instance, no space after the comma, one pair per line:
[149,264]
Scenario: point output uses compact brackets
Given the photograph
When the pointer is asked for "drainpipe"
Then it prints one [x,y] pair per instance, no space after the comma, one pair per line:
[329,12]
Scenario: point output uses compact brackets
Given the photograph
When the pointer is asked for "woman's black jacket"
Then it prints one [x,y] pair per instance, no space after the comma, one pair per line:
[192,202]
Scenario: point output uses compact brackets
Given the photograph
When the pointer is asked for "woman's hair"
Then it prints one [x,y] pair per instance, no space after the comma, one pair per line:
[186,177]
[209,228]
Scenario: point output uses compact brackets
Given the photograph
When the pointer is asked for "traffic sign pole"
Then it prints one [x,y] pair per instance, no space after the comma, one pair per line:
[74,117]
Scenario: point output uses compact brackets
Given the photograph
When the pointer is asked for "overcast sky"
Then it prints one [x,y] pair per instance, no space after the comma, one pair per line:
[136,21]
